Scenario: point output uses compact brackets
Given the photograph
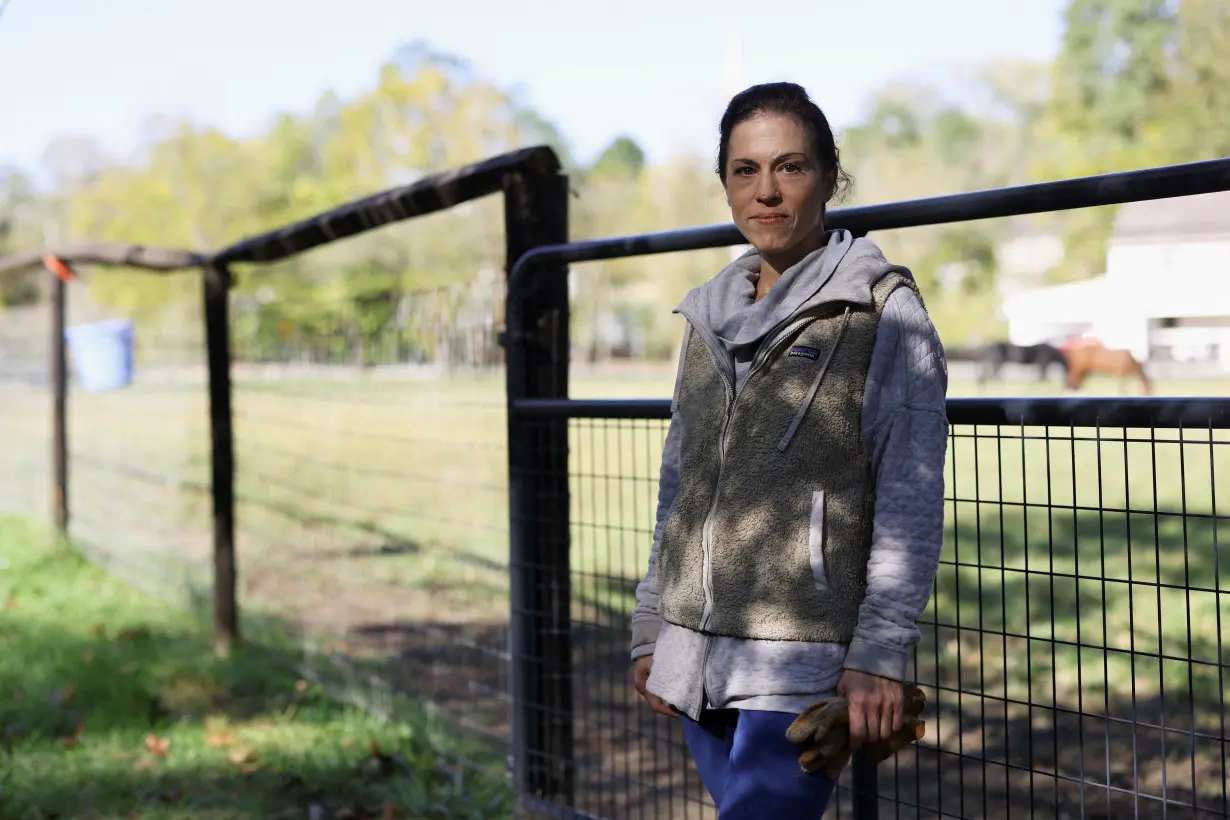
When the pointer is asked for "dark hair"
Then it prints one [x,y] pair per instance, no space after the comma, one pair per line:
[791,100]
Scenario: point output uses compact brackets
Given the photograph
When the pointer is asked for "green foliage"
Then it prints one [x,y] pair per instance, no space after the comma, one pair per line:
[1112,69]
[622,159]
[1136,83]
[16,197]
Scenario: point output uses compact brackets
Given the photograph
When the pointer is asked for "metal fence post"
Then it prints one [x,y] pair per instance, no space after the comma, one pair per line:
[865,787]
[59,422]
[536,213]
[217,282]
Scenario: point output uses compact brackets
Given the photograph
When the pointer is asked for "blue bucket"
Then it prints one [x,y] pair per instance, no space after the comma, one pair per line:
[102,354]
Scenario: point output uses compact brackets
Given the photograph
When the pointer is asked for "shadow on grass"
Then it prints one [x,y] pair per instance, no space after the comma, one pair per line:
[1073,665]
[1085,604]
[1108,673]
[1075,712]
[633,763]
[113,704]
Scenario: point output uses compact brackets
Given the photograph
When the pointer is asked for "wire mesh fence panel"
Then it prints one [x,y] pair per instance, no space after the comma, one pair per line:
[26,412]
[1073,653]
[630,762]
[372,508]
[138,480]
[138,460]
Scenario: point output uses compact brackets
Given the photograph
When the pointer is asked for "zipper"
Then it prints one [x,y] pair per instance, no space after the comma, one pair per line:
[781,331]
[706,537]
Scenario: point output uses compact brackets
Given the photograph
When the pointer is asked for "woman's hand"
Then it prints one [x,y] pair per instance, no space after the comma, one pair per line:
[641,676]
[875,703]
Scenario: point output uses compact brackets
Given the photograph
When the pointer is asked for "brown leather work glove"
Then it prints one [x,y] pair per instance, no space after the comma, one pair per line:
[823,730]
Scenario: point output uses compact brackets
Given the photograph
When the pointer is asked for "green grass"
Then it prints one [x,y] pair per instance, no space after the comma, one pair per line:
[113,705]
[375,503]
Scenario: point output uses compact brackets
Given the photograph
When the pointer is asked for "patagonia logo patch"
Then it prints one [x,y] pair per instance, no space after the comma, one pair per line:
[804,351]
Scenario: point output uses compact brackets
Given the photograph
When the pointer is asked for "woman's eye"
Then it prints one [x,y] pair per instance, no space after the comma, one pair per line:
[743,170]
[792,168]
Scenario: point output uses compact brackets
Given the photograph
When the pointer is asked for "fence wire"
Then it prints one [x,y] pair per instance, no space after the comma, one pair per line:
[372,513]
[1073,653]
[26,422]
[138,466]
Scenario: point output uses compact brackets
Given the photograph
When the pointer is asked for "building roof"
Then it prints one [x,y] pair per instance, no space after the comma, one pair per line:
[1177,219]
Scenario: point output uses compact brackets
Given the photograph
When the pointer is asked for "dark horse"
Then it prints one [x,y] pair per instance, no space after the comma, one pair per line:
[994,356]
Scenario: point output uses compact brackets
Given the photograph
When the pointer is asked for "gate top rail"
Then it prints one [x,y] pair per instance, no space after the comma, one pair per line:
[1163,412]
[1187,179]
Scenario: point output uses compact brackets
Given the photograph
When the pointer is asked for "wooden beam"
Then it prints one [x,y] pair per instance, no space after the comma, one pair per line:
[105,253]
[436,192]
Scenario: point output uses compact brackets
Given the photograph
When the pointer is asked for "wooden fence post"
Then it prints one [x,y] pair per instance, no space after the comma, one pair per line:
[218,350]
[59,414]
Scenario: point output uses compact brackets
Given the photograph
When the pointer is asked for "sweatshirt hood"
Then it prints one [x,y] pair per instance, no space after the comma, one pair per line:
[724,308]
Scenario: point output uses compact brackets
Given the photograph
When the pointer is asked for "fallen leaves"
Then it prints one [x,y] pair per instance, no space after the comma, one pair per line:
[244,759]
[219,739]
[241,756]
[73,739]
[157,746]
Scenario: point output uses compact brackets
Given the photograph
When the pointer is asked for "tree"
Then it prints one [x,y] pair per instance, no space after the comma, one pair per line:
[622,159]
[1197,112]
[1111,81]
[1137,83]
[16,199]
[199,188]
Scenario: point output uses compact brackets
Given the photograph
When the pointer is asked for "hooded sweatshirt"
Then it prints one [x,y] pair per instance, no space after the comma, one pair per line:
[904,433]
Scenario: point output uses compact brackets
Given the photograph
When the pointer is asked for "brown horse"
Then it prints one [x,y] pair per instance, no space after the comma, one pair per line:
[1086,356]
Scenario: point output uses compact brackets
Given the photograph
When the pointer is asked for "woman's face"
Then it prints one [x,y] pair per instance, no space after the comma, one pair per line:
[775,186]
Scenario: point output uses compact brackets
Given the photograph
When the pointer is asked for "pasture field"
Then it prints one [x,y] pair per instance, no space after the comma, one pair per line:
[1078,621]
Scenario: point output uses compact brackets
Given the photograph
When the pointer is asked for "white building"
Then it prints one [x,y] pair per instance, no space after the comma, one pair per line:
[1165,293]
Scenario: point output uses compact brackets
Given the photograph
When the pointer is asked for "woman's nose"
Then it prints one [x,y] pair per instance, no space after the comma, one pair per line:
[767,190]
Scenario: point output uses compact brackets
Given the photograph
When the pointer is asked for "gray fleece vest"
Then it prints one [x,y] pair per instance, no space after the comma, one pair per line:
[769,535]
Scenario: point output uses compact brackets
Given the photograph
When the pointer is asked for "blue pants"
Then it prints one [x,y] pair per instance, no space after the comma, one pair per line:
[749,767]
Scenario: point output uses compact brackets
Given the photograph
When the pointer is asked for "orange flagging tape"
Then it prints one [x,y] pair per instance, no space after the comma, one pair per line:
[57,267]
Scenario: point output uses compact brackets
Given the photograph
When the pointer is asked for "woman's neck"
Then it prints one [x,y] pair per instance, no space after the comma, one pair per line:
[772,266]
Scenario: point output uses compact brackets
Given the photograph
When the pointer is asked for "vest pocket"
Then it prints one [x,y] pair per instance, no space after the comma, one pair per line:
[815,542]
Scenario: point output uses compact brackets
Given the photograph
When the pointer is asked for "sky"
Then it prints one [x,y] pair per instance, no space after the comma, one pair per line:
[657,70]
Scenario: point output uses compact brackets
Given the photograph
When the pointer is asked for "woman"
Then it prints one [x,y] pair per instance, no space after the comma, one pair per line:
[800,503]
